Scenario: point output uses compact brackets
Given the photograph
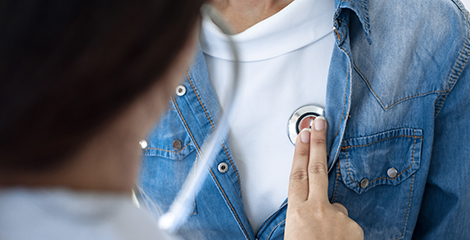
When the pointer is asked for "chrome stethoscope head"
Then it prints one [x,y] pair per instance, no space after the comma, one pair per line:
[302,118]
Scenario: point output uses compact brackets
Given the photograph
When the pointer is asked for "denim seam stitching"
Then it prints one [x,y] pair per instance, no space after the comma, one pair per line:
[225,196]
[213,127]
[365,145]
[352,4]
[269,236]
[336,185]
[413,96]
[450,83]
[365,25]
[409,199]
[396,102]
[345,99]
[223,192]
[349,173]
[363,14]
[366,15]
[169,150]
[337,35]
[458,4]
[412,161]
[368,84]
[407,209]
[267,220]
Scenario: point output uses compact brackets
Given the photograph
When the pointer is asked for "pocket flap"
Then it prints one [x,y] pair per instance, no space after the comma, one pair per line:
[169,138]
[384,158]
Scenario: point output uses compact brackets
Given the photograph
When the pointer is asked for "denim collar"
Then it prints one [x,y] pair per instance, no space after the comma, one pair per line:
[359,7]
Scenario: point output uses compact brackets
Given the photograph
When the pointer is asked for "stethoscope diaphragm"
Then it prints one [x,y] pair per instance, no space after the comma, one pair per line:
[302,118]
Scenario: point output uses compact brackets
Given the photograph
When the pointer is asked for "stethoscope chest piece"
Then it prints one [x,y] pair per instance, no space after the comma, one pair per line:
[301,118]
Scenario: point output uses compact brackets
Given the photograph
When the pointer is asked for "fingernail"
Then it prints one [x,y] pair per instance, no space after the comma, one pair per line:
[305,135]
[319,123]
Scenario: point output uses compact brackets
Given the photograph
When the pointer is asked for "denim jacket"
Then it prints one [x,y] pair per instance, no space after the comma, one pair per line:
[398,111]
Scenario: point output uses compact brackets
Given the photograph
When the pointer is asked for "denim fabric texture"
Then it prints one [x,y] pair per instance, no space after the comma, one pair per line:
[398,111]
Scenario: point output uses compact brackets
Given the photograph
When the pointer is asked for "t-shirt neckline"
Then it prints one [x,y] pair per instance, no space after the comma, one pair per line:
[299,24]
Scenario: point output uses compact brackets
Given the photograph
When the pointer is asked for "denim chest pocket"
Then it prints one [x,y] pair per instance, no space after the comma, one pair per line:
[387,158]
[166,162]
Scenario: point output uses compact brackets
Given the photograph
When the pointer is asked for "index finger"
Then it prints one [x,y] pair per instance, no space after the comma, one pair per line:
[317,167]
[298,182]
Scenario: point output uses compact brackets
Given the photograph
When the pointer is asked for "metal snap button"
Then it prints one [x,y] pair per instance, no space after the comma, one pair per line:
[392,172]
[364,183]
[296,121]
[223,167]
[177,145]
[143,144]
[180,90]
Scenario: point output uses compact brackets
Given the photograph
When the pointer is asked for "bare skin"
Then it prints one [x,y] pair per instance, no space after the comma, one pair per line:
[310,215]
[109,161]
[242,14]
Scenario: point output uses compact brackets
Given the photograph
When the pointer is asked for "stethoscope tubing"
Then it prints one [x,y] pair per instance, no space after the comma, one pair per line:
[180,208]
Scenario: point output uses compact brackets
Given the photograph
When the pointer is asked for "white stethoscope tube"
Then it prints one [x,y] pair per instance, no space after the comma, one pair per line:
[179,209]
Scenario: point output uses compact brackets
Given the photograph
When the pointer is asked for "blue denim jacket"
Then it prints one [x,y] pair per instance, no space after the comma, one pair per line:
[398,111]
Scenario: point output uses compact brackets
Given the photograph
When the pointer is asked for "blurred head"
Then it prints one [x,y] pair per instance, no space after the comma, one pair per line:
[68,68]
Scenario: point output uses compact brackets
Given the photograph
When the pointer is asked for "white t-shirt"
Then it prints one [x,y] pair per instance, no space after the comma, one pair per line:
[58,214]
[466,3]
[284,64]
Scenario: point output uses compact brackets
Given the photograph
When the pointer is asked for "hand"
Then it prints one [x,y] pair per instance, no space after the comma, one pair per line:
[310,215]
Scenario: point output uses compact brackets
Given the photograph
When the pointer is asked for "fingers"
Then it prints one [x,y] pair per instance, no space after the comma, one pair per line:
[341,208]
[317,169]
[298,183]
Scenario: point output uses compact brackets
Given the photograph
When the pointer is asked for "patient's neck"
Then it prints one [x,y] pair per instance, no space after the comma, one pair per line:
[242,14]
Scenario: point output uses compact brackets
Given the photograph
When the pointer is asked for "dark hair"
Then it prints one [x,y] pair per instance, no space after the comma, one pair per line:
[68,66]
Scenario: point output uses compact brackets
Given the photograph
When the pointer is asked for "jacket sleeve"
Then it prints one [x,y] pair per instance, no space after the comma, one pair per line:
[445,208]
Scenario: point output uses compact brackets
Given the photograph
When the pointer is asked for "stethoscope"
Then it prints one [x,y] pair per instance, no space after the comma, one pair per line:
[302,118]
[180,207]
